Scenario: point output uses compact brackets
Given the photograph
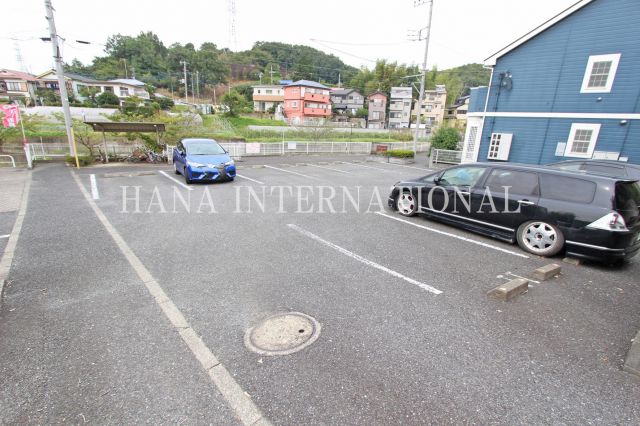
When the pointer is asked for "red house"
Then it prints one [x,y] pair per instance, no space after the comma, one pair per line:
[306,101]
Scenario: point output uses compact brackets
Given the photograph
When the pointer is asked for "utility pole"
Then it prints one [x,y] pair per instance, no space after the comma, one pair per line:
[64,97]
[193,92]
[186,86]
[424,72]
[198,84]
[133,73]
[339,80]
[126,73]
[271,74]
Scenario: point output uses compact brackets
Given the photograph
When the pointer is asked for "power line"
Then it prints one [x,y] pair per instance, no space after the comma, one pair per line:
[344,52]
[360,44]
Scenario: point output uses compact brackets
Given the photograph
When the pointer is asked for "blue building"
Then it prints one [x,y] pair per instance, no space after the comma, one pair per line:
[568,89]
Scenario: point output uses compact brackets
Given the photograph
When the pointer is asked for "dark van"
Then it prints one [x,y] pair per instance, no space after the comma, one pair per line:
[544,209]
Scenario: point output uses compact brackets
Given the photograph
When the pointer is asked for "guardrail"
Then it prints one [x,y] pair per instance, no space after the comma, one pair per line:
[13,161]
[446,156]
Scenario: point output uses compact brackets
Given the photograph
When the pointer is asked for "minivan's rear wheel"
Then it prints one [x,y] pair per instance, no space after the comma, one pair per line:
[406,204]
[540,238]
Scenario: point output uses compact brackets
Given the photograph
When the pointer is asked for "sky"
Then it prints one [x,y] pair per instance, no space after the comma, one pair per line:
[357,31]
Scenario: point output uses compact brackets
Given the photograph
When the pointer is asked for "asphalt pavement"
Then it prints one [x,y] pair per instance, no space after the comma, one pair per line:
[87,341]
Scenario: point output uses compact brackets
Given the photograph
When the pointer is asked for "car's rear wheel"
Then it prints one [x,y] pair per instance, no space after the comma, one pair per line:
[406,204]
[540,238]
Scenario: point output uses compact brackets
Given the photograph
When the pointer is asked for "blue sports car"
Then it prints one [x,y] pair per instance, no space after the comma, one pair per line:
[202,160]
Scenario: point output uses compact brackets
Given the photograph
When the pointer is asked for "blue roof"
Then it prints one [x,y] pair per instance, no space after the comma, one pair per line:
[308,83]
[129,81]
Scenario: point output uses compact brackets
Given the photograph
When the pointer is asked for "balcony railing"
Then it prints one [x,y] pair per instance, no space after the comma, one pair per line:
[317,111]
[316,97]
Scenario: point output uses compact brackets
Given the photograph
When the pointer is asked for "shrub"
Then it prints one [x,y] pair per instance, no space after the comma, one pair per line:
[445,138]
[107,98]
[399,153]
[84,160]
[165,103]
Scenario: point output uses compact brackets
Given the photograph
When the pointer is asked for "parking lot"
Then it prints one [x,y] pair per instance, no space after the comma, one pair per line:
[113,264]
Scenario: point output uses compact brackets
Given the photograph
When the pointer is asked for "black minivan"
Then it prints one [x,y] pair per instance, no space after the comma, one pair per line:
[544,209]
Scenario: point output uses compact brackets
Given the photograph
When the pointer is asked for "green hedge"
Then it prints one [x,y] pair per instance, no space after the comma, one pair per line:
[399,153]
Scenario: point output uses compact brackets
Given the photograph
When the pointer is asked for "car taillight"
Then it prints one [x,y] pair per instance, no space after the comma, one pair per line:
[611,222]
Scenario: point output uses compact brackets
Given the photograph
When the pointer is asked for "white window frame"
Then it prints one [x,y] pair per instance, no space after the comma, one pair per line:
[614,58]
[594,127]
[500,146]
[11,84]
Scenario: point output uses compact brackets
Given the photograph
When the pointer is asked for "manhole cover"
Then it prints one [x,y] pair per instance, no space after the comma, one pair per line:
[282,334]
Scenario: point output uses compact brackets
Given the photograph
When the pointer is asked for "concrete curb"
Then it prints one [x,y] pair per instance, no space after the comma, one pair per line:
[632,363]
[9,250]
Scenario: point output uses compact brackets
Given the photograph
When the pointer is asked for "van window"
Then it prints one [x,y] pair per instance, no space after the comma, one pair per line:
[565,188]
[521,183]
[604,169]
[628,201]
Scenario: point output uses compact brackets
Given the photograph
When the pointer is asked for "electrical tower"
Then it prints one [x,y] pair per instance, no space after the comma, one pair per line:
[233,39]
[19,58]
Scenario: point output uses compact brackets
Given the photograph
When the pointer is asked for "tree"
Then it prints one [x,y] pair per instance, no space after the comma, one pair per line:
[303,68]
[90,93]
[362,113]
[164,102]
[235,103]
[105,99]
[30,123]
[445,138]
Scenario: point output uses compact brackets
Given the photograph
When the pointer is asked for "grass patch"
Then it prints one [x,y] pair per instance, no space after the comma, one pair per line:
[242,122]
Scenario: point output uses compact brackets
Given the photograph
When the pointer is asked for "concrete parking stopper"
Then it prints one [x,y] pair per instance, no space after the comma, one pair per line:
[632,363]
[510,290]
[545,272]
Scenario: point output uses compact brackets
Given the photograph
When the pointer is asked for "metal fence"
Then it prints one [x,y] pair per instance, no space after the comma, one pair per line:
[446,156]
[237,149]
[56,150]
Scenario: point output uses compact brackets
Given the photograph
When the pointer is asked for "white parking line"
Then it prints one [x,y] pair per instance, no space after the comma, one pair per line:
[163,173]
[289,171]
[329,168]
[363,260]
[248,178]
[245,409]
[368,167]
[409,167]
[94,187]
[4,236]
[458,237]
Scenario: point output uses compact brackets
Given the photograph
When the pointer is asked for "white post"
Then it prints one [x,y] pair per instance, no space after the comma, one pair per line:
[25,144]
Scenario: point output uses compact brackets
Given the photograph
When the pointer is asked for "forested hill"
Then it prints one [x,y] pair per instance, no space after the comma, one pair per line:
[153,62]
[147,57]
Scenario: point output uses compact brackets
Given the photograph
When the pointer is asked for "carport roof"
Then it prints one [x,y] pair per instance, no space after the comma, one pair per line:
[118,126]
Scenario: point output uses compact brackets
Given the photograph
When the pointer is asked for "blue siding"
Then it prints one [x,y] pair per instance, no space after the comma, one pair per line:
[535,139]
[547,73]
[478,98]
